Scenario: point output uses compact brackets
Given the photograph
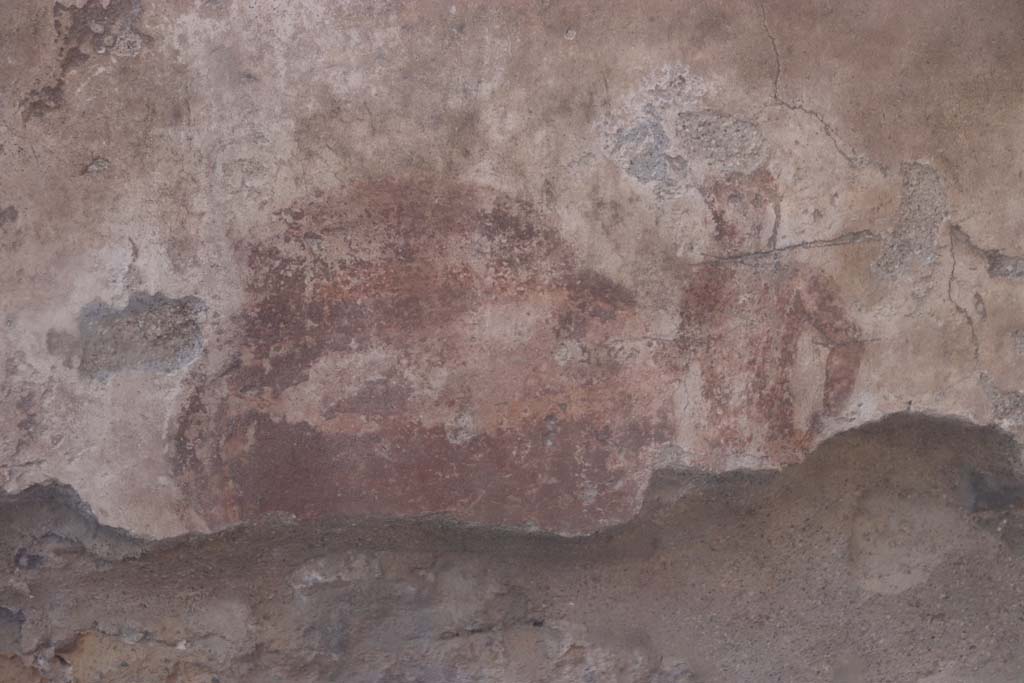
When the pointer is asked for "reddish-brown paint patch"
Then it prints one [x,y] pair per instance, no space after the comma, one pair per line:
[296,468]
[406,271]
[746,322]
[418,347]
[745,211]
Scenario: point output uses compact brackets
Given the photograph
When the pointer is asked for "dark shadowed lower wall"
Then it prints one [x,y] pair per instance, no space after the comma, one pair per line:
[894,553]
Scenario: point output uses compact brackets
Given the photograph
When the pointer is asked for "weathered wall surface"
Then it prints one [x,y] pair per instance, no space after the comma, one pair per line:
[498,261]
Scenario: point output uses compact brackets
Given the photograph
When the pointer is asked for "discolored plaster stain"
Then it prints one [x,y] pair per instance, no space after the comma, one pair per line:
[1006,266]
[41,101]
[98,27]
[152,332]
[8,214]
[644,150]
[10,630]
[991,493]
[719,141]
[914,241]
[641,138]
[94,29]
[1007,405]
[667,141]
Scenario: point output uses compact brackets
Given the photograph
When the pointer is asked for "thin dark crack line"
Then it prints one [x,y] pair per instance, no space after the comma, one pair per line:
[991,256]
[775,50]
[777,99]
[851,238]
[949,293]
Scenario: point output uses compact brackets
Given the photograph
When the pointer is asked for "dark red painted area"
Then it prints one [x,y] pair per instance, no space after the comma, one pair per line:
[745,211]
[415,347]
[746,322]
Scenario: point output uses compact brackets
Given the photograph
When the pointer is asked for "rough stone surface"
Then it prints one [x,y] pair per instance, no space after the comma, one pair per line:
[506,263]
[894,553]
